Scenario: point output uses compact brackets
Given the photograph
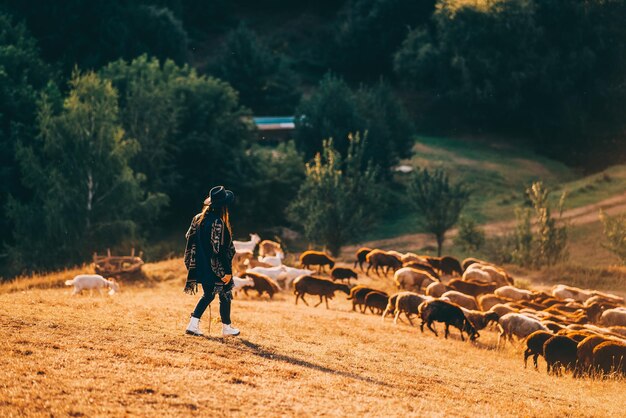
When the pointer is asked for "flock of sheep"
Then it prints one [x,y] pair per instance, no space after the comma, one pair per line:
[582,331]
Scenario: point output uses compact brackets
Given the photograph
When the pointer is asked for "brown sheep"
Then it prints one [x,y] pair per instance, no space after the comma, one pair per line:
[343,273]
[361,256]
[585,354]
[435,262]
[424,267]
[436,289]
[610,357]
[461,299]
[480,320]
[619,330]
[380,258]
[316,258]
[552,326]
[323,288]
[357,295]
[262,284]
[269,248]
[241,261]
[450,266]
[375,300]
[472,289]
[487,301]
[534,345]
[407,303]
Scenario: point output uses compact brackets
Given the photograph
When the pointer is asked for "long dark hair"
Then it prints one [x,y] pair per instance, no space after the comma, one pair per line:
[223,214]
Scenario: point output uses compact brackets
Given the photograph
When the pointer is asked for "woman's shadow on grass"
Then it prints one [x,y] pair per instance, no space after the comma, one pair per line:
[247,346]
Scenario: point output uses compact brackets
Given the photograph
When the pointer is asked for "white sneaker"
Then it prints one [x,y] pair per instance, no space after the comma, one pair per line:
[194,327]
[228,330]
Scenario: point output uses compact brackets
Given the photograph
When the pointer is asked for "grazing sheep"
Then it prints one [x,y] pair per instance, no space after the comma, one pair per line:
[357,295]
[290,273]
[273,273]
[407,303]
[461,299]
[92,281]
[513,293]
[247,246]
[498,275]
[585,354]
[480,320]
[552,326]
[610,357]
[613,317]
[476,274]
[375,301]
[450,266]
[361,256]
[316,258]
[273,260]
[241,261]
[449,314]
[618,330]
[472,289]
[469,261]
[608,297]
[343,273]
[391,305]
[605,303]
[534,345]
[412,257]
[424,267]
[410,279]
[270,248]
[486,302]
[262,284]
[380,258]
[239,283]
[323,288]
[515,324]
[560,351]
[436,289]
[563,292]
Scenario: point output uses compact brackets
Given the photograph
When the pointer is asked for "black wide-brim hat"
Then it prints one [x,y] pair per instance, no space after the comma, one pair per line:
[219,196]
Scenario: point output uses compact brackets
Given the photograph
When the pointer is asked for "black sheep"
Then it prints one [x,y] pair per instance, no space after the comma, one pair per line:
[357,295]
[315,286]
[449,314]
[375,300]
[361,256]
[343,273]
[534,345]
[559,351]
[450,266]
[316,258]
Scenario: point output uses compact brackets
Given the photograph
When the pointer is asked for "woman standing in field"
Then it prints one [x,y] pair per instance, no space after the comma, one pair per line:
[208,258]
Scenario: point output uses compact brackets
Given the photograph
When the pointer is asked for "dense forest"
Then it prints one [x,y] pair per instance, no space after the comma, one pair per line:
[116,117]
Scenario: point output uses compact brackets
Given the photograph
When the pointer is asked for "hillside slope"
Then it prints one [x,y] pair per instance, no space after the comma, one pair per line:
[86,356]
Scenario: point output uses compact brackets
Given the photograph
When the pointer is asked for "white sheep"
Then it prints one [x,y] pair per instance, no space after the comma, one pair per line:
[475,273]
[513,293]
[273,260]
[614,317]
[239,283]
[273,273]
[436,289]
[564,292]
[461,299]
[519,325]
[291,273]
[90,282]
[247,246]
[412,279]
[408,304]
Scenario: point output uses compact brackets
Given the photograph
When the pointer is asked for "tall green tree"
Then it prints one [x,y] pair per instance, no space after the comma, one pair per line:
[262,77]
[338,197]
[615,234]
[85,196]
[438,200]
[23,76]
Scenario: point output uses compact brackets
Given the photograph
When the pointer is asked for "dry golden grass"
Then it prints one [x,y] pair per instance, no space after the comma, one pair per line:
[127,354]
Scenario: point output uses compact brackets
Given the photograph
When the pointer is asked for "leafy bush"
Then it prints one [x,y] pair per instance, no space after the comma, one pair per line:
[469,238]
[615,233]
[335,204]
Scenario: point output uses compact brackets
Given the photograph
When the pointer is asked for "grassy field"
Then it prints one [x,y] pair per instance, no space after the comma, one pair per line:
[498,177]
[127,354]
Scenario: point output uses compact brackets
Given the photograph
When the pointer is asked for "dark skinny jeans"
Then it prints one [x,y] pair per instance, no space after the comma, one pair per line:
[208,297]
